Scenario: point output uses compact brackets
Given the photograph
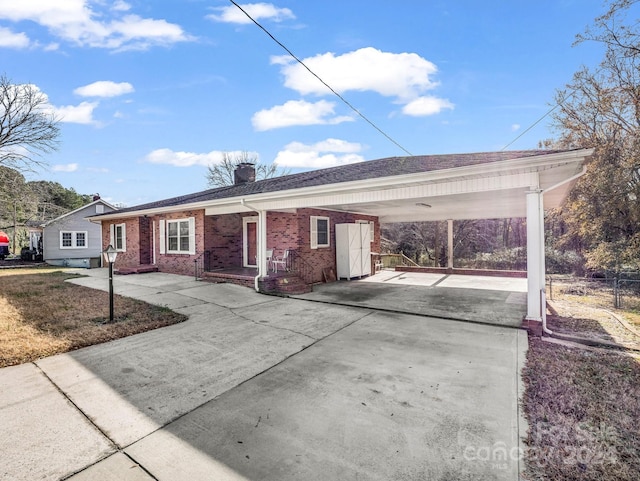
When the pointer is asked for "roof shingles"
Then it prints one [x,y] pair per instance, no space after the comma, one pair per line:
[371,169]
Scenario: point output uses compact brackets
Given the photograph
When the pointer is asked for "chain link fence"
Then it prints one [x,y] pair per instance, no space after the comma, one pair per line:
[614,292]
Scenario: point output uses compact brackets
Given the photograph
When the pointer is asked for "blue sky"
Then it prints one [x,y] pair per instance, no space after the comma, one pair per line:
[150,92]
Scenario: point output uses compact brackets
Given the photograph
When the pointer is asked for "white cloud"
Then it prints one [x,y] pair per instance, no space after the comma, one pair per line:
[515,127]
[76,114]
[83,23]
[65,167]
[120,6]
[10,39]
[104,88]
[402,75]
[258,11]
[297,112]
[427,105]
[188,159]
[327,153]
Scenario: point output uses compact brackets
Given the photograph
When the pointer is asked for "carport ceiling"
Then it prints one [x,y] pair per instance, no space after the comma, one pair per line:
[478,205]
[489,204]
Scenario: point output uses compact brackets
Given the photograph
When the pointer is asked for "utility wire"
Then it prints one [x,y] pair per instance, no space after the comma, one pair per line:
[538,121]
[322,81]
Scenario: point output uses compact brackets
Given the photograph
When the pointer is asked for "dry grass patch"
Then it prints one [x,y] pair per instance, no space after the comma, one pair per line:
[579,319]
[582,407]
[580,307]
[41,315]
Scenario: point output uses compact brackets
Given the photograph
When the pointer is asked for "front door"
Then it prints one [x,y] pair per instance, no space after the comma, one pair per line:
[249,241]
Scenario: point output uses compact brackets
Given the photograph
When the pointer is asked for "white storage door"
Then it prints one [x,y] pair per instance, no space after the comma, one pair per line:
[365,249]
[353,251]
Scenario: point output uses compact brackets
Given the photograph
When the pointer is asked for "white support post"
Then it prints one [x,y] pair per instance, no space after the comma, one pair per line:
[262,244]
[535,254]
[450,243]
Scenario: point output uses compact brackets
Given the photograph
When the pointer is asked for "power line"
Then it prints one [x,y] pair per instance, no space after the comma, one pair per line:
[346,102]
[538,121]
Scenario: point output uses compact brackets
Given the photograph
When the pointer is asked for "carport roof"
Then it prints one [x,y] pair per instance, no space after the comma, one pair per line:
[393,172]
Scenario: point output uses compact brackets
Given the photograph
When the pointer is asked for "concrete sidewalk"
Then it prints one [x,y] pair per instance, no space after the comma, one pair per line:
[259,387]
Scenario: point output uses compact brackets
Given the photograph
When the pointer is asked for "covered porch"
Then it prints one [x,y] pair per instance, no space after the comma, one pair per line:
[283,281]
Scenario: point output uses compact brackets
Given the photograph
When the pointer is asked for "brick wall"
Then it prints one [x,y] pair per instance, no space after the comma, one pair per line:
[325,257]
[223,238]
[282,232]
[180,263]
[131,256]
[222,235]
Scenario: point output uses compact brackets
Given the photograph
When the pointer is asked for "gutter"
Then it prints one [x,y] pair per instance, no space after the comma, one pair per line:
[260,213]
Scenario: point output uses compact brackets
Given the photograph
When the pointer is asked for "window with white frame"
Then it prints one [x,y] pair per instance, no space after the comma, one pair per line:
[73,239]
[119,237]
[178,235]
[319,232]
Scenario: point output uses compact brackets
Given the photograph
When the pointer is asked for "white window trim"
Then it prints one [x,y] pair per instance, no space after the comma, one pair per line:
[246,262]
[314,232]
[192,236]
[112,233]
[74,239]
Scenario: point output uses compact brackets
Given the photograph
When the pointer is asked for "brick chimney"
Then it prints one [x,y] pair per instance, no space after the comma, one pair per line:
[245,172]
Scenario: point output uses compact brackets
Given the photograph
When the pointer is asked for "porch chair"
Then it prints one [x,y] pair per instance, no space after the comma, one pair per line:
[269,256]
[281,261]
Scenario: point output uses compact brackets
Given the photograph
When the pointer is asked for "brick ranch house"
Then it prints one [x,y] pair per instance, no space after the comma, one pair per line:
[227,232]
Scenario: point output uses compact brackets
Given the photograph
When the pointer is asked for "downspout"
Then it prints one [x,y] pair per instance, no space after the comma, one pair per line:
[259,242]
[543,296]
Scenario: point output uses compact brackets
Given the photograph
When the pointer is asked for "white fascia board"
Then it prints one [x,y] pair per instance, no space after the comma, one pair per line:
[390,182]
[154,211]
[436,189]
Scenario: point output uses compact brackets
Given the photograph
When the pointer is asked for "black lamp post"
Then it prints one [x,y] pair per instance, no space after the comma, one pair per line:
[111,254]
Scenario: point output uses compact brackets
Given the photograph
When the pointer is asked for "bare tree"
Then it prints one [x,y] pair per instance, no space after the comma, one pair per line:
[221,174]
[28,126]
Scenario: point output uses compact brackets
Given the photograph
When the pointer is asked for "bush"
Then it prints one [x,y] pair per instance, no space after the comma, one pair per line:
[502,259]
[558,262]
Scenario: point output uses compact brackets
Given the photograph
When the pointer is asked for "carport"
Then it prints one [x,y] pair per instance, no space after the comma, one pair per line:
[465,187]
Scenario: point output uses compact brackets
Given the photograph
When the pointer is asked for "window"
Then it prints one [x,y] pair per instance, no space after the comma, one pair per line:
[81,239]
[67,239]
[180,236]
[73,240]
[119,237]
[319,232]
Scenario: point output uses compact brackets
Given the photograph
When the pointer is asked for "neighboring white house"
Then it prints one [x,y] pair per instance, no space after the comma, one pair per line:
[72,240]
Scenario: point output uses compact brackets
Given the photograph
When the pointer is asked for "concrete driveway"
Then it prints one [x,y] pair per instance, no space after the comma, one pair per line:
[253,387]
[487,300]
